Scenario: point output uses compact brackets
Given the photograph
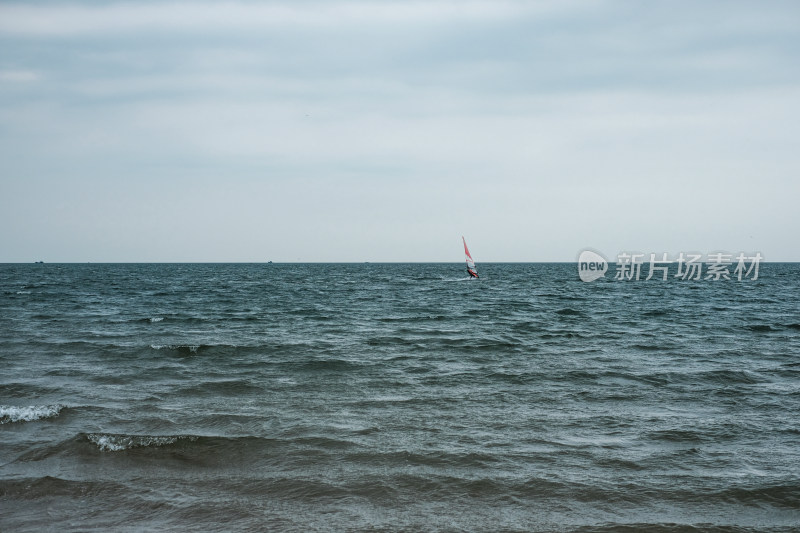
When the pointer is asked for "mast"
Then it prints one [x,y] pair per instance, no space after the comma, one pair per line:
[470,263]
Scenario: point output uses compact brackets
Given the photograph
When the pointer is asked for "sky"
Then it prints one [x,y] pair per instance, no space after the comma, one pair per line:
[385,130]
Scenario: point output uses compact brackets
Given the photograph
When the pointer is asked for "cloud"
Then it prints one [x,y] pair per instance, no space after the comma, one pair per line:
[116,18]
[564,123]
[19,76]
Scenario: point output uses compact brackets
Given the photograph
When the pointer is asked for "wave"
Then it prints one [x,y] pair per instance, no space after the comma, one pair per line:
[30,413]
[730,377]
[186,446]
[202,349]
[173,448]
[116,443]
[48,487]
[213,350]
[761,328]
[766,328]
[648,347]
[223,387]
[185,349]
[125,348]
[669,527]
[25,390]
[786,495]
[412,318]
[328,364]
[88,445]
[386,340]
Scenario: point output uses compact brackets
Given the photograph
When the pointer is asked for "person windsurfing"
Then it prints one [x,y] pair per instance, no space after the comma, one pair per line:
[473,273]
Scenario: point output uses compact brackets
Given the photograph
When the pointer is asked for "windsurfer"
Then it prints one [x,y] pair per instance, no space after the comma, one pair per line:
[470,263]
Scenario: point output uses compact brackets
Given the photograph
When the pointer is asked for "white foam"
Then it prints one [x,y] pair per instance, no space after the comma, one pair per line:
[9,413]
[117,443]
[156,319]
[191,347]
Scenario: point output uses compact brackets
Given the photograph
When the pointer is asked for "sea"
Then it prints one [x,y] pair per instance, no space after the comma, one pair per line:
[396,397]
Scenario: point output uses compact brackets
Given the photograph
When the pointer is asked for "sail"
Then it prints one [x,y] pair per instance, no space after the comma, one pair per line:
[470,263]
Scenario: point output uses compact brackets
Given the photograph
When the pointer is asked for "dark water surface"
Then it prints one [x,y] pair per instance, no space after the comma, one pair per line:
[396,397]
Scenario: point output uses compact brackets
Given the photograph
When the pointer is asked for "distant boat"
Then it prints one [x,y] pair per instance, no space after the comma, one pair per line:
[470,263]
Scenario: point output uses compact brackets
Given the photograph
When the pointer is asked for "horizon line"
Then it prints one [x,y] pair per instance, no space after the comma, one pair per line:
[315,262]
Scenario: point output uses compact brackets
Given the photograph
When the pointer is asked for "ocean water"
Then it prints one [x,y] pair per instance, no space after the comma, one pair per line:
[386,397]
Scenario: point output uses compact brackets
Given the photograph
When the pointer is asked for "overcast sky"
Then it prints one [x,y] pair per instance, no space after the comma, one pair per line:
[385,130]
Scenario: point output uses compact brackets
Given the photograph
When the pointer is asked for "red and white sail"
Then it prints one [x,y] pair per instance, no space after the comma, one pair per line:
[470,262]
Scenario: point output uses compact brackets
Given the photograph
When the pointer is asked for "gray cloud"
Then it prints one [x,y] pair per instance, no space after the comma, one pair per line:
[384,131]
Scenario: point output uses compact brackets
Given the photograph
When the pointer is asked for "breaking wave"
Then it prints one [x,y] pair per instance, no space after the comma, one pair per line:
[118,443]
[28,414]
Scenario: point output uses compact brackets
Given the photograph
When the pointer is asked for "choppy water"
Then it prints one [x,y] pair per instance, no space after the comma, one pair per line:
[396,397]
